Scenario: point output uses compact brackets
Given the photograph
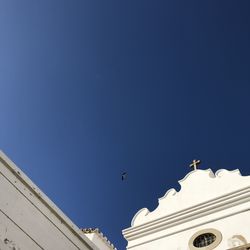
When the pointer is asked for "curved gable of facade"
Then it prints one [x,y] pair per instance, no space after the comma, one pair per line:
[206,202]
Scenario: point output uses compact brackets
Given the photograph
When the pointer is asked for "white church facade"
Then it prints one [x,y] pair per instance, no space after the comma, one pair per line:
[29,220]
[211,211]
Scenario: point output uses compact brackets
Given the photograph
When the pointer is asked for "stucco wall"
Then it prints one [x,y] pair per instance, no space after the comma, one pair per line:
[100,241]
[219,201]
[29,220]
[232,228]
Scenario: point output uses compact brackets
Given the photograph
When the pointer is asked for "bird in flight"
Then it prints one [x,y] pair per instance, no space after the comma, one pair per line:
[124,176]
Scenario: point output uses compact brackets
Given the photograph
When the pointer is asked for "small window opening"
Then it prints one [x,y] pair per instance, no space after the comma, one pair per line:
[204,240]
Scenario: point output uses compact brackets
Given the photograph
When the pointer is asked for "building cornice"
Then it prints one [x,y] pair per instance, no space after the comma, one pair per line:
[203,209]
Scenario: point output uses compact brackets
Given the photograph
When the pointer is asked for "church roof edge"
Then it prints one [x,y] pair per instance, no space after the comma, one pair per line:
[199,184]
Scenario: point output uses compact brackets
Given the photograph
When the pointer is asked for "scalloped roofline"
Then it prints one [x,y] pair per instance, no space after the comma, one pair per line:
[230,195]
[193,181]
[211,173]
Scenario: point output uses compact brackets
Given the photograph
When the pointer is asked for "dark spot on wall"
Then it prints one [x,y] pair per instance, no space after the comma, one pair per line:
[6,241]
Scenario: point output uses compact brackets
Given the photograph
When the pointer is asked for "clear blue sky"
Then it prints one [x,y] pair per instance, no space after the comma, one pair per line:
[90,89]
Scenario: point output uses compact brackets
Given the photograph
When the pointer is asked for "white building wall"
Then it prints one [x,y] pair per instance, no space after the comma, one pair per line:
[29,220]
[218,202]
[230,227]
[99,240]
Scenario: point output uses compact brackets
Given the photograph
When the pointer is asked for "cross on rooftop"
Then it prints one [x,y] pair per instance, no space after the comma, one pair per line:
[194,164]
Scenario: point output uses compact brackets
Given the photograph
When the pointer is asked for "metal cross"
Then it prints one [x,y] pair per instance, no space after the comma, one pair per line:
[194,164]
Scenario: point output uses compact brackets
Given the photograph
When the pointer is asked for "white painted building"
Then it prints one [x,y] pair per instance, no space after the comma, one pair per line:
[29,220]
[211,211]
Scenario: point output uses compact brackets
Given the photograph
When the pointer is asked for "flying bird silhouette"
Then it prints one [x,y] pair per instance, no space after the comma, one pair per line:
[124,176]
